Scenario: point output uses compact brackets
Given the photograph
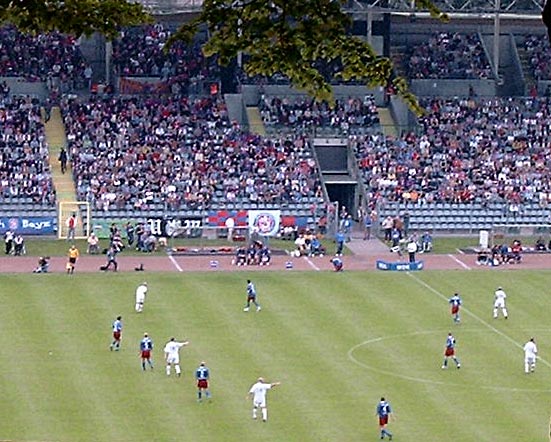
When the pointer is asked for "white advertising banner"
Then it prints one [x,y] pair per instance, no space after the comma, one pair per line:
[264,222]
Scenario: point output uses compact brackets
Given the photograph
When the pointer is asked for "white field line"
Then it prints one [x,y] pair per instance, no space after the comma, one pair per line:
[461,252]
[314,266]
[461,263]
[175,263]
[478,318]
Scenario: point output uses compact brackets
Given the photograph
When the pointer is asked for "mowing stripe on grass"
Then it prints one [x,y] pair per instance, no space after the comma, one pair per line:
[461,263]
[473,315]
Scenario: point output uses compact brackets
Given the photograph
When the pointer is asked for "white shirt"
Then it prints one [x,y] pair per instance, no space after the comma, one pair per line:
[141,291]
[500,295]
[530,350]
[172,347]
[259,391]
[412,247]
[172,351]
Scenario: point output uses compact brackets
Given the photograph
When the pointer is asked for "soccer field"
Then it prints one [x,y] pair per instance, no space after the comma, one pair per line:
[336,342]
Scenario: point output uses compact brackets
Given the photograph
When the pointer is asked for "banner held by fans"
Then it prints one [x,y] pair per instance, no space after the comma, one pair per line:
[265,222]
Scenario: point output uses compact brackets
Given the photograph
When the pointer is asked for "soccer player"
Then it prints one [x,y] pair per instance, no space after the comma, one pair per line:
[251,297]
[530,355]
[172,355]
[258,393]
[338,265]
[499,303]
[202,374]
[146,347]
[117,334]
[73,256]
[449,352]
[455,302]
[141,291]
[384,411]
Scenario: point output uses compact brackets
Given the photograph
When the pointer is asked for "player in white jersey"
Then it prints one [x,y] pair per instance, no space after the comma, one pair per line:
[258,393]
[499,303]
[141,291]
[172,355]
[530,355]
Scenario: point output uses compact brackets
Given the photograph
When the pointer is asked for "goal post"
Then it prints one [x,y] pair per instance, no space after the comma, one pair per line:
[81,209]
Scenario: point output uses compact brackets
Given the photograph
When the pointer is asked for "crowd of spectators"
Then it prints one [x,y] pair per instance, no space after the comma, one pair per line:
[304,113]
[465,150]
[139,52]
[40,57]
[128,153]
[448,55]
[24,168]
[539,53]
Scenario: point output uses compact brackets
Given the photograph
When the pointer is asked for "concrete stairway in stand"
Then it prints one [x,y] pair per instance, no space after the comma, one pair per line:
[387,122]
[256,125]
[56,138]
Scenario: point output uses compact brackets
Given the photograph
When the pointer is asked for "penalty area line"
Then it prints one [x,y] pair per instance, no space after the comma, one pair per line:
[175,263]
[475,316]
[314,266]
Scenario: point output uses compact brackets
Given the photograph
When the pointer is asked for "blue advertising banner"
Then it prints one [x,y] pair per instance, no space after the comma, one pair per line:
[29,225]
[399,266]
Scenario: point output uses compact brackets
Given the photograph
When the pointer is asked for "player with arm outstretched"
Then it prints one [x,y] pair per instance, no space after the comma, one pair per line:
[258,393]
[172,355]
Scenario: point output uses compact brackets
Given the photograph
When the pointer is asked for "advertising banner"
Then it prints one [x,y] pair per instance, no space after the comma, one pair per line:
[264,222]
[29,225]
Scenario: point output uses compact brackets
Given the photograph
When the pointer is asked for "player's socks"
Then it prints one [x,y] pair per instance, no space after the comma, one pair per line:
[254,413]
[207,394]
[168,370]
[178,371]
[264,414]
[199,395]
[143,366]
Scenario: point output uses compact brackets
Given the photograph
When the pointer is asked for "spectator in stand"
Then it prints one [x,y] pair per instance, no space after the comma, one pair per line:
[447,55]
[24,167]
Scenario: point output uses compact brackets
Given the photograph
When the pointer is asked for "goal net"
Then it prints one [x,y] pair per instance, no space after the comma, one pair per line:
[81,210]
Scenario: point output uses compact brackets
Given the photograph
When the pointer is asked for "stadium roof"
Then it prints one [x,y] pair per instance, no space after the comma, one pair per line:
[523,7]
[163,7]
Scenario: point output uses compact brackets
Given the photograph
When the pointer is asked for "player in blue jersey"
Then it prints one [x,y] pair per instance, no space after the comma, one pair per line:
[384,411]
[146,347]
[202,374]
[455,303]
[251,297]
[449,352]
[117,334]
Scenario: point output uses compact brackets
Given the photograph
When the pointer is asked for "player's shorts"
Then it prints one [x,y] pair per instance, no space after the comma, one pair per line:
[383,420]
[499,304]
[117,335]
[251,298]
[202,383]
[260,403]
[455,309]
[173,359]
[449,351]
[146,354]
[72,260]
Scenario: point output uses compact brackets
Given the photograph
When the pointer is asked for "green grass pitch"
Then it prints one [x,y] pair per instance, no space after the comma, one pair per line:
[337,343]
